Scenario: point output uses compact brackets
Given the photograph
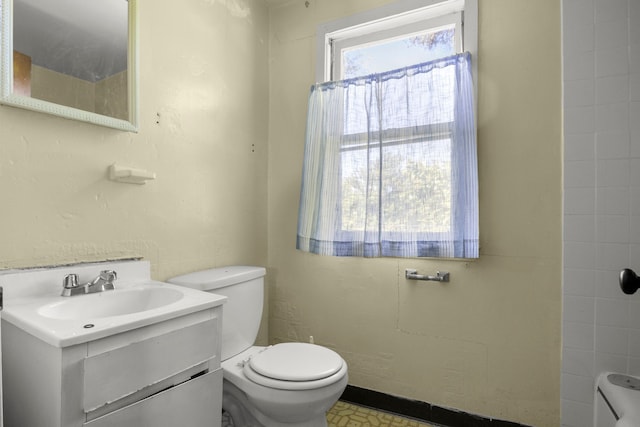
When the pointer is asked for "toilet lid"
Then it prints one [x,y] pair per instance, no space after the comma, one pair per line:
[296,362]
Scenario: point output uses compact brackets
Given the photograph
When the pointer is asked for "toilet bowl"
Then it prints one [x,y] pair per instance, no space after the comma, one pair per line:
[258,388]
[284,385]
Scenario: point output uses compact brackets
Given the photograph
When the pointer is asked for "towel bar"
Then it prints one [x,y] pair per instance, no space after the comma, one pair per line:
[441,276]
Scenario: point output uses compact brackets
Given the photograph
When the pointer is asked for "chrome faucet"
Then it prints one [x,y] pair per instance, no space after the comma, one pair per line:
[103,282]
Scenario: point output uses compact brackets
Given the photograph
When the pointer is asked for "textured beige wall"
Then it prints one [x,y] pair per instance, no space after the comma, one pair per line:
[203,130]
[488,342]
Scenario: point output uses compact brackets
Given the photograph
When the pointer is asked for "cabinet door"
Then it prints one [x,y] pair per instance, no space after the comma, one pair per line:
[1,393]
[115,374]
[195,403]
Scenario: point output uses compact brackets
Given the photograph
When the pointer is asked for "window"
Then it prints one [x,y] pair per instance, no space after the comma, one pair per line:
[398,47]
[396,182]
[407,18]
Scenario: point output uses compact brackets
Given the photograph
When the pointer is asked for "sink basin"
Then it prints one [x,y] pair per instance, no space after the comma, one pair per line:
[32,302]
[110,303]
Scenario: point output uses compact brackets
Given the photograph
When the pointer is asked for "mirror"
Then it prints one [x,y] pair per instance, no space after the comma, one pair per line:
[71,58]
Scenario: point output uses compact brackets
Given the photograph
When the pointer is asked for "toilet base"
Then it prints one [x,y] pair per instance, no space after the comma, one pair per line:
[233,402]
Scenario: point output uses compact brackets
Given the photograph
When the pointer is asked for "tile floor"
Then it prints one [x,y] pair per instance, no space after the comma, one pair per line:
[345,414]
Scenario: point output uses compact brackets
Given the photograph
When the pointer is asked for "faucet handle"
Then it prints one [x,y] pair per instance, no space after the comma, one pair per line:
[108,275]
[70,281]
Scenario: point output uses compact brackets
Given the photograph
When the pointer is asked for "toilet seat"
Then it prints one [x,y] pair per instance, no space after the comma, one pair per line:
[295,366]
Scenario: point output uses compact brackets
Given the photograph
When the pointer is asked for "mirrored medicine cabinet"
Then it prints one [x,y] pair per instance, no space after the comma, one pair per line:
[72,58]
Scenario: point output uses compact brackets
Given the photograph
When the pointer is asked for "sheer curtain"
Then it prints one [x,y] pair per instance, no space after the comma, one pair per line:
[390,164]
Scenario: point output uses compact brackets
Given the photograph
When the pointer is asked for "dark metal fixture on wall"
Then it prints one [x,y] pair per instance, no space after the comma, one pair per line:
[629,281]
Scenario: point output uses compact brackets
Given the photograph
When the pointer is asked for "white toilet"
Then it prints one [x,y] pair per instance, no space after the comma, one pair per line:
[617,400]
[288,384]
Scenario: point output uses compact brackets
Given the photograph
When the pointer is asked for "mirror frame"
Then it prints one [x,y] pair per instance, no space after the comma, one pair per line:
[7,96]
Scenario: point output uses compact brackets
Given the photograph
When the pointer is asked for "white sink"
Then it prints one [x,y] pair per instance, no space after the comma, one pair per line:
[111,303]
[32,302]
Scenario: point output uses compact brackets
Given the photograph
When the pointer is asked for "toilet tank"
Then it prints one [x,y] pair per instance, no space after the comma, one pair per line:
[241,314]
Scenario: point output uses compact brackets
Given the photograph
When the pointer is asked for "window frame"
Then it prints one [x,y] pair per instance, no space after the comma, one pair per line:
[346,39]
[400,13]
[403,17]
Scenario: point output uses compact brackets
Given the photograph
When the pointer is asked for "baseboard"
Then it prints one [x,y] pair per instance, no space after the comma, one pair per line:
[418,410]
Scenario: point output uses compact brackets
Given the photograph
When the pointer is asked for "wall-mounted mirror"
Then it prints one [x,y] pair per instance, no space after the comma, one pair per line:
[72,58]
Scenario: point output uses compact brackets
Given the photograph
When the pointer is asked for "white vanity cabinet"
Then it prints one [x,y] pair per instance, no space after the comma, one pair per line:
[166,374]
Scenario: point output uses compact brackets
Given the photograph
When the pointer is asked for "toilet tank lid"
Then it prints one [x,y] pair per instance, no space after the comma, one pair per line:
[215,278]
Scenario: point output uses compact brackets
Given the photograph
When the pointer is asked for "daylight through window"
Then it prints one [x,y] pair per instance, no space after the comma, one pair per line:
[395,127]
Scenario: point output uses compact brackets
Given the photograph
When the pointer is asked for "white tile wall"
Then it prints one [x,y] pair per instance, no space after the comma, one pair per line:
[601,325]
